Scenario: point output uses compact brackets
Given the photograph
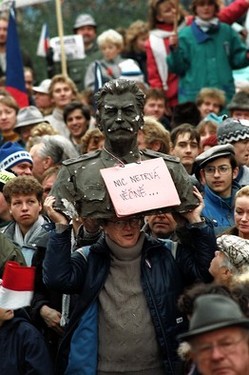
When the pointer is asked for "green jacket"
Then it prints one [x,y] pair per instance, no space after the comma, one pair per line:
[76,69]
[9,252]
[207,60]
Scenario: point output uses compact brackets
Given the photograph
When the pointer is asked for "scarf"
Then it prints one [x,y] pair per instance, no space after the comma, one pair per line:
[29,240]
[207,26]
[159,51]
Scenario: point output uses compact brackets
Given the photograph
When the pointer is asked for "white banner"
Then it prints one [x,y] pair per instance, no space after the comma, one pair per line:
[74,47]
[6,4]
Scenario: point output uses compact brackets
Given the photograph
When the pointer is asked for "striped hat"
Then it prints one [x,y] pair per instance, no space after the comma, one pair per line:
[232,130]
[11,153]
[16,290]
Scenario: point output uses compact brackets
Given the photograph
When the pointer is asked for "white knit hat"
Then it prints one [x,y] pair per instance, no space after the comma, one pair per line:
[16,290]
[131,71]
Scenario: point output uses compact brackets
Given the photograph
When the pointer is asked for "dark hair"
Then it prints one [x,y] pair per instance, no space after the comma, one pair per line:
[195,3]
[155,93]
[183,129]
[69,108]
[25,185]
[187,299]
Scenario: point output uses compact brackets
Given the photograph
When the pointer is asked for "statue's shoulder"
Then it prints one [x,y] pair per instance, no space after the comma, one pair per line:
[155,154]
[82,158]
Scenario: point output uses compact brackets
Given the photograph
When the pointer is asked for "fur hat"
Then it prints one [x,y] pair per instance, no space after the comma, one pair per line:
[235,248]
[232,130]
[239,101]
[212,312]
[11,153]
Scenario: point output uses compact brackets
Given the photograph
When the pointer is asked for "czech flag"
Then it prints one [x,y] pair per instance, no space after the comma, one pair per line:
[44,42]
[17,288]
[15,83]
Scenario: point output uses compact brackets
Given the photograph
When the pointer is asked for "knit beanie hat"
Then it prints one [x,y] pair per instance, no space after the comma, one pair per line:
[17,286]
[235,248]
[233,130]
[239,101]
[210,141]
[11,153]
[130,71]
[5,176]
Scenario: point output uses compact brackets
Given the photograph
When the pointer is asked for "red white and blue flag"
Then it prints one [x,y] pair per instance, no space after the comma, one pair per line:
[17,286]
[44,42]
[15,83]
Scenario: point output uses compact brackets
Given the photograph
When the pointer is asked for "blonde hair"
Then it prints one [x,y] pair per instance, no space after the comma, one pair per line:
[243,192]
[110,36]
[135,30]
[64,79]
[154,131]
[44,128]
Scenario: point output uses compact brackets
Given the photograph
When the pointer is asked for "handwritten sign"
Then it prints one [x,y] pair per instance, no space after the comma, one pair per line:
[140,187]
[74,48]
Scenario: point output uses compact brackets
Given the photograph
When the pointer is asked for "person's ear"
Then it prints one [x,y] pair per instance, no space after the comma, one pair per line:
[202,177]
[235,172]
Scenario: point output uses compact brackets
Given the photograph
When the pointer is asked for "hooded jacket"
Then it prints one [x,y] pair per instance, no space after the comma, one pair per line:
[23,349]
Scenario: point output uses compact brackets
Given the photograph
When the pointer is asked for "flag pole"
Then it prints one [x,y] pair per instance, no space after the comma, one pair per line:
[61,34]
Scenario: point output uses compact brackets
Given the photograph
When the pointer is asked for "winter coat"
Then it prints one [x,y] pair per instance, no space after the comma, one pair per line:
[109,70]
[9,252]
[160,273]
[218,210]
[38,239]
[23,350]
[207,60]
[154,77]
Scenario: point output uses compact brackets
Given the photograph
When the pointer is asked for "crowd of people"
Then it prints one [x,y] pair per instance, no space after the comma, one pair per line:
[158,287]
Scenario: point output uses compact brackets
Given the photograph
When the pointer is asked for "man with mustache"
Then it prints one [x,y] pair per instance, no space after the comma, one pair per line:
[120,106]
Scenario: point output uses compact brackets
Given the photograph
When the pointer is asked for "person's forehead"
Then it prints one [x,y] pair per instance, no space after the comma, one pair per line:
[23,197]
[186,137]
[219,161]
[155,101]
[61,85]
[24,164]
[121,100]
[218,334]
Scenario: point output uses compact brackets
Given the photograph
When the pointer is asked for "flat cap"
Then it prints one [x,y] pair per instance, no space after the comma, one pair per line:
[212,153]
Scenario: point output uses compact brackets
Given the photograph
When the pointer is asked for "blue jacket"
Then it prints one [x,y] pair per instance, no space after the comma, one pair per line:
[23,349]
[163,278]
[218,210]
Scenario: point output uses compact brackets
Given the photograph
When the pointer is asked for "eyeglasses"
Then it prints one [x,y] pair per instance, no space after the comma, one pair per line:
[222,169]
[225,347]
[134,222]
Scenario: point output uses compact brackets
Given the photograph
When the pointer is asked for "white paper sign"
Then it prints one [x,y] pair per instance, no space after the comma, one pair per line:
[73,44]
[6,4]
[140,187]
